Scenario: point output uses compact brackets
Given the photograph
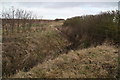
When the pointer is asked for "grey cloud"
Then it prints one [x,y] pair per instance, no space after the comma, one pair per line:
[119,5]
[52,10]
[58,5]
[83,4]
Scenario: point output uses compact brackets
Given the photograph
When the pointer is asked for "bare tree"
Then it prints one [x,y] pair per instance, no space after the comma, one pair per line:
[17,20]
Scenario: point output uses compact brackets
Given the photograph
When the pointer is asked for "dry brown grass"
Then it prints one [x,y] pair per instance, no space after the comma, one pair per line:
[22,51]
[94,62]
[37,54]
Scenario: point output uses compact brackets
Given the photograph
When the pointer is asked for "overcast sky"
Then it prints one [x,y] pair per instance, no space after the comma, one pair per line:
[53,10]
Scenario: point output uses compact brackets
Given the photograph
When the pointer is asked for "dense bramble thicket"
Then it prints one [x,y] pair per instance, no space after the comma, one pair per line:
[93,29]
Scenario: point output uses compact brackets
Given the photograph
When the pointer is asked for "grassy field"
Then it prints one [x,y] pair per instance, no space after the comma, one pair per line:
[99,62]
[21,51]
[43,53]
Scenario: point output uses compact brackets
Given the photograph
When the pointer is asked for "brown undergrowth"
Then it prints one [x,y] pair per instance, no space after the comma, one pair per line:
[94,62]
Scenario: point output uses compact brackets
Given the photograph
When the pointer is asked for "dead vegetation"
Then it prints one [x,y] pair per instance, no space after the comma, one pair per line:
[23,51]
[99,62]
[42,54]
[60,49]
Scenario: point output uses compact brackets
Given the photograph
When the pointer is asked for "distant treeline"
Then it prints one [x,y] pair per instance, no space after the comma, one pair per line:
[59,19]
[93,29]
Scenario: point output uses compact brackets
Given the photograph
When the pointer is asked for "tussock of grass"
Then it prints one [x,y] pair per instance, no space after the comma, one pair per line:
[96,62]
[25,50]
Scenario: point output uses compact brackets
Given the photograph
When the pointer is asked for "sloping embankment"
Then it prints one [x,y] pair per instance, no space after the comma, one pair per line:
[97,62]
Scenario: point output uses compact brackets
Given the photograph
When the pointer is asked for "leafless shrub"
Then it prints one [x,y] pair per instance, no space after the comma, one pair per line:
[16,20]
